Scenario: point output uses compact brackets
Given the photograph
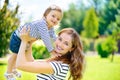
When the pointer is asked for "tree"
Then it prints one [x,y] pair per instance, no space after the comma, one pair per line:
[73,18]
[8,23]
[90,24]
[97,4]
[108,15]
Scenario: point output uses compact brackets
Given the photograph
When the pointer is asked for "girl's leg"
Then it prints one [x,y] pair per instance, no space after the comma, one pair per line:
[11,62]
[14,70]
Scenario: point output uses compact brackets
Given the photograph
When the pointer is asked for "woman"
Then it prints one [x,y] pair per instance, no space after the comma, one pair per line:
[68,45]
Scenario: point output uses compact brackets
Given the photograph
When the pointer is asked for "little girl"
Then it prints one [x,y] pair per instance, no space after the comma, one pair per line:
[40,29]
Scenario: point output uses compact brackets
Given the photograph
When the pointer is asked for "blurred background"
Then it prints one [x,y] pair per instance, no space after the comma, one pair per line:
[96,21]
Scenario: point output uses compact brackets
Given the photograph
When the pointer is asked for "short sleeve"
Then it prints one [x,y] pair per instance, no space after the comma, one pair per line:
[60,69]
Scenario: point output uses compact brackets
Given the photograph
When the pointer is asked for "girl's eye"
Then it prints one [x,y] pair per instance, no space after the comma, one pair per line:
[53,16]
[58,19]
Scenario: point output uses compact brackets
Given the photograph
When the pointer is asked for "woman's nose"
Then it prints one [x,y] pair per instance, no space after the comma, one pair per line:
[60,44]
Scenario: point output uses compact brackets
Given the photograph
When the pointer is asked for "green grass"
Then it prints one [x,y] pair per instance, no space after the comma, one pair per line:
[96,69]
[102,69]
[25,75]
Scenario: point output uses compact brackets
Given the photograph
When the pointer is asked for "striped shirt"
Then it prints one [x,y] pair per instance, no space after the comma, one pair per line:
[60,72]
[39,30]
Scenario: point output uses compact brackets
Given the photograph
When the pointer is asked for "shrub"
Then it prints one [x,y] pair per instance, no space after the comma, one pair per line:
[107,47]
[102,52]
[40,51]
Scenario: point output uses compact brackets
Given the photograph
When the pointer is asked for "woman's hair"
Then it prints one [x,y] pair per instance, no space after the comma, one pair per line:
[75,58]
[52,7]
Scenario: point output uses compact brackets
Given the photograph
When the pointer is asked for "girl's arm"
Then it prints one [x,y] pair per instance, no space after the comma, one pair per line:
[31,66]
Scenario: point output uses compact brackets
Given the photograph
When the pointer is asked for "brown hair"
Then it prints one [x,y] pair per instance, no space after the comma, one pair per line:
[52,7]
[75,58]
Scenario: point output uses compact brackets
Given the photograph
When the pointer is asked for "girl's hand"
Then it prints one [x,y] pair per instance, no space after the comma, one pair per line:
[24,34]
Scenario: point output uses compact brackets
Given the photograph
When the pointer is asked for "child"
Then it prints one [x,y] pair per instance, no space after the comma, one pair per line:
[40,29]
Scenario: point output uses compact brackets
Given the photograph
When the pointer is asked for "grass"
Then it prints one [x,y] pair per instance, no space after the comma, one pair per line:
[96,69]
[25,75]
[102,69]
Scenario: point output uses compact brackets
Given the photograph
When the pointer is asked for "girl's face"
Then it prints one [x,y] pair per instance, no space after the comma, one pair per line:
[63,43]
[53,18]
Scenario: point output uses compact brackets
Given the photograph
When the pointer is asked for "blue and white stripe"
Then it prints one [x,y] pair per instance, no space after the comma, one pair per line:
[60,72]
[39,30]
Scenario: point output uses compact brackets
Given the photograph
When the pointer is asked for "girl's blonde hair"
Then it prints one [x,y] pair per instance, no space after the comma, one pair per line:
[52,7]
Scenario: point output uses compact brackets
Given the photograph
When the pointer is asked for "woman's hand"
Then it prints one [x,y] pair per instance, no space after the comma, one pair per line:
[24,34]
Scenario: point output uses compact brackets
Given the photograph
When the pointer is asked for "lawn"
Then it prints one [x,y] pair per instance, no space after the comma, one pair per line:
[96,69]
[102,69]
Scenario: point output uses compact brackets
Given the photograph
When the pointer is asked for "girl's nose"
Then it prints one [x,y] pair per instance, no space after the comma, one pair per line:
[55,19]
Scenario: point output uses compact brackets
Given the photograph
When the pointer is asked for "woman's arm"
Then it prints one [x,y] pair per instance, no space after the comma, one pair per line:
[31,66]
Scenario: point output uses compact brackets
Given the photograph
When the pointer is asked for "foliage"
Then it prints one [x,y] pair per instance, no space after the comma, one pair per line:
[90,24]
[101,52]
[110,45]
[8,23]
[108,14]
[112,28]
[73,18]
[98,41]
[86,45]
[107,47]
[40,51]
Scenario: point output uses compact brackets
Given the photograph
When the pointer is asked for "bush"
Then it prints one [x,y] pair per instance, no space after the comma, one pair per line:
[40,51]
[107,47]
[102,52]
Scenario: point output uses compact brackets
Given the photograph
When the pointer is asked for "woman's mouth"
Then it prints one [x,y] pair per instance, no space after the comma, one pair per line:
[58,48]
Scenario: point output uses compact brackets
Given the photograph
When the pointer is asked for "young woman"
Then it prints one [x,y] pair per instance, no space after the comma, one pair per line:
[68,45]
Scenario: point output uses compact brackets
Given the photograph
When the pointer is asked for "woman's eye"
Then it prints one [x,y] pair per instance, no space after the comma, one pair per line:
[53,16]
[66,43]
[60,39]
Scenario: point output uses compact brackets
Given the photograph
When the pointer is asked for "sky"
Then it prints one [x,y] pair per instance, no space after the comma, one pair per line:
[33,9]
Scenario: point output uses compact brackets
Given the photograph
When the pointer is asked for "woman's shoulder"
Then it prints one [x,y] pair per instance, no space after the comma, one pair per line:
[58,64]
[60,69]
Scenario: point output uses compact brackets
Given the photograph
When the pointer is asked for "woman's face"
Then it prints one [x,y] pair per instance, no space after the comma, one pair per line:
[63,43]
